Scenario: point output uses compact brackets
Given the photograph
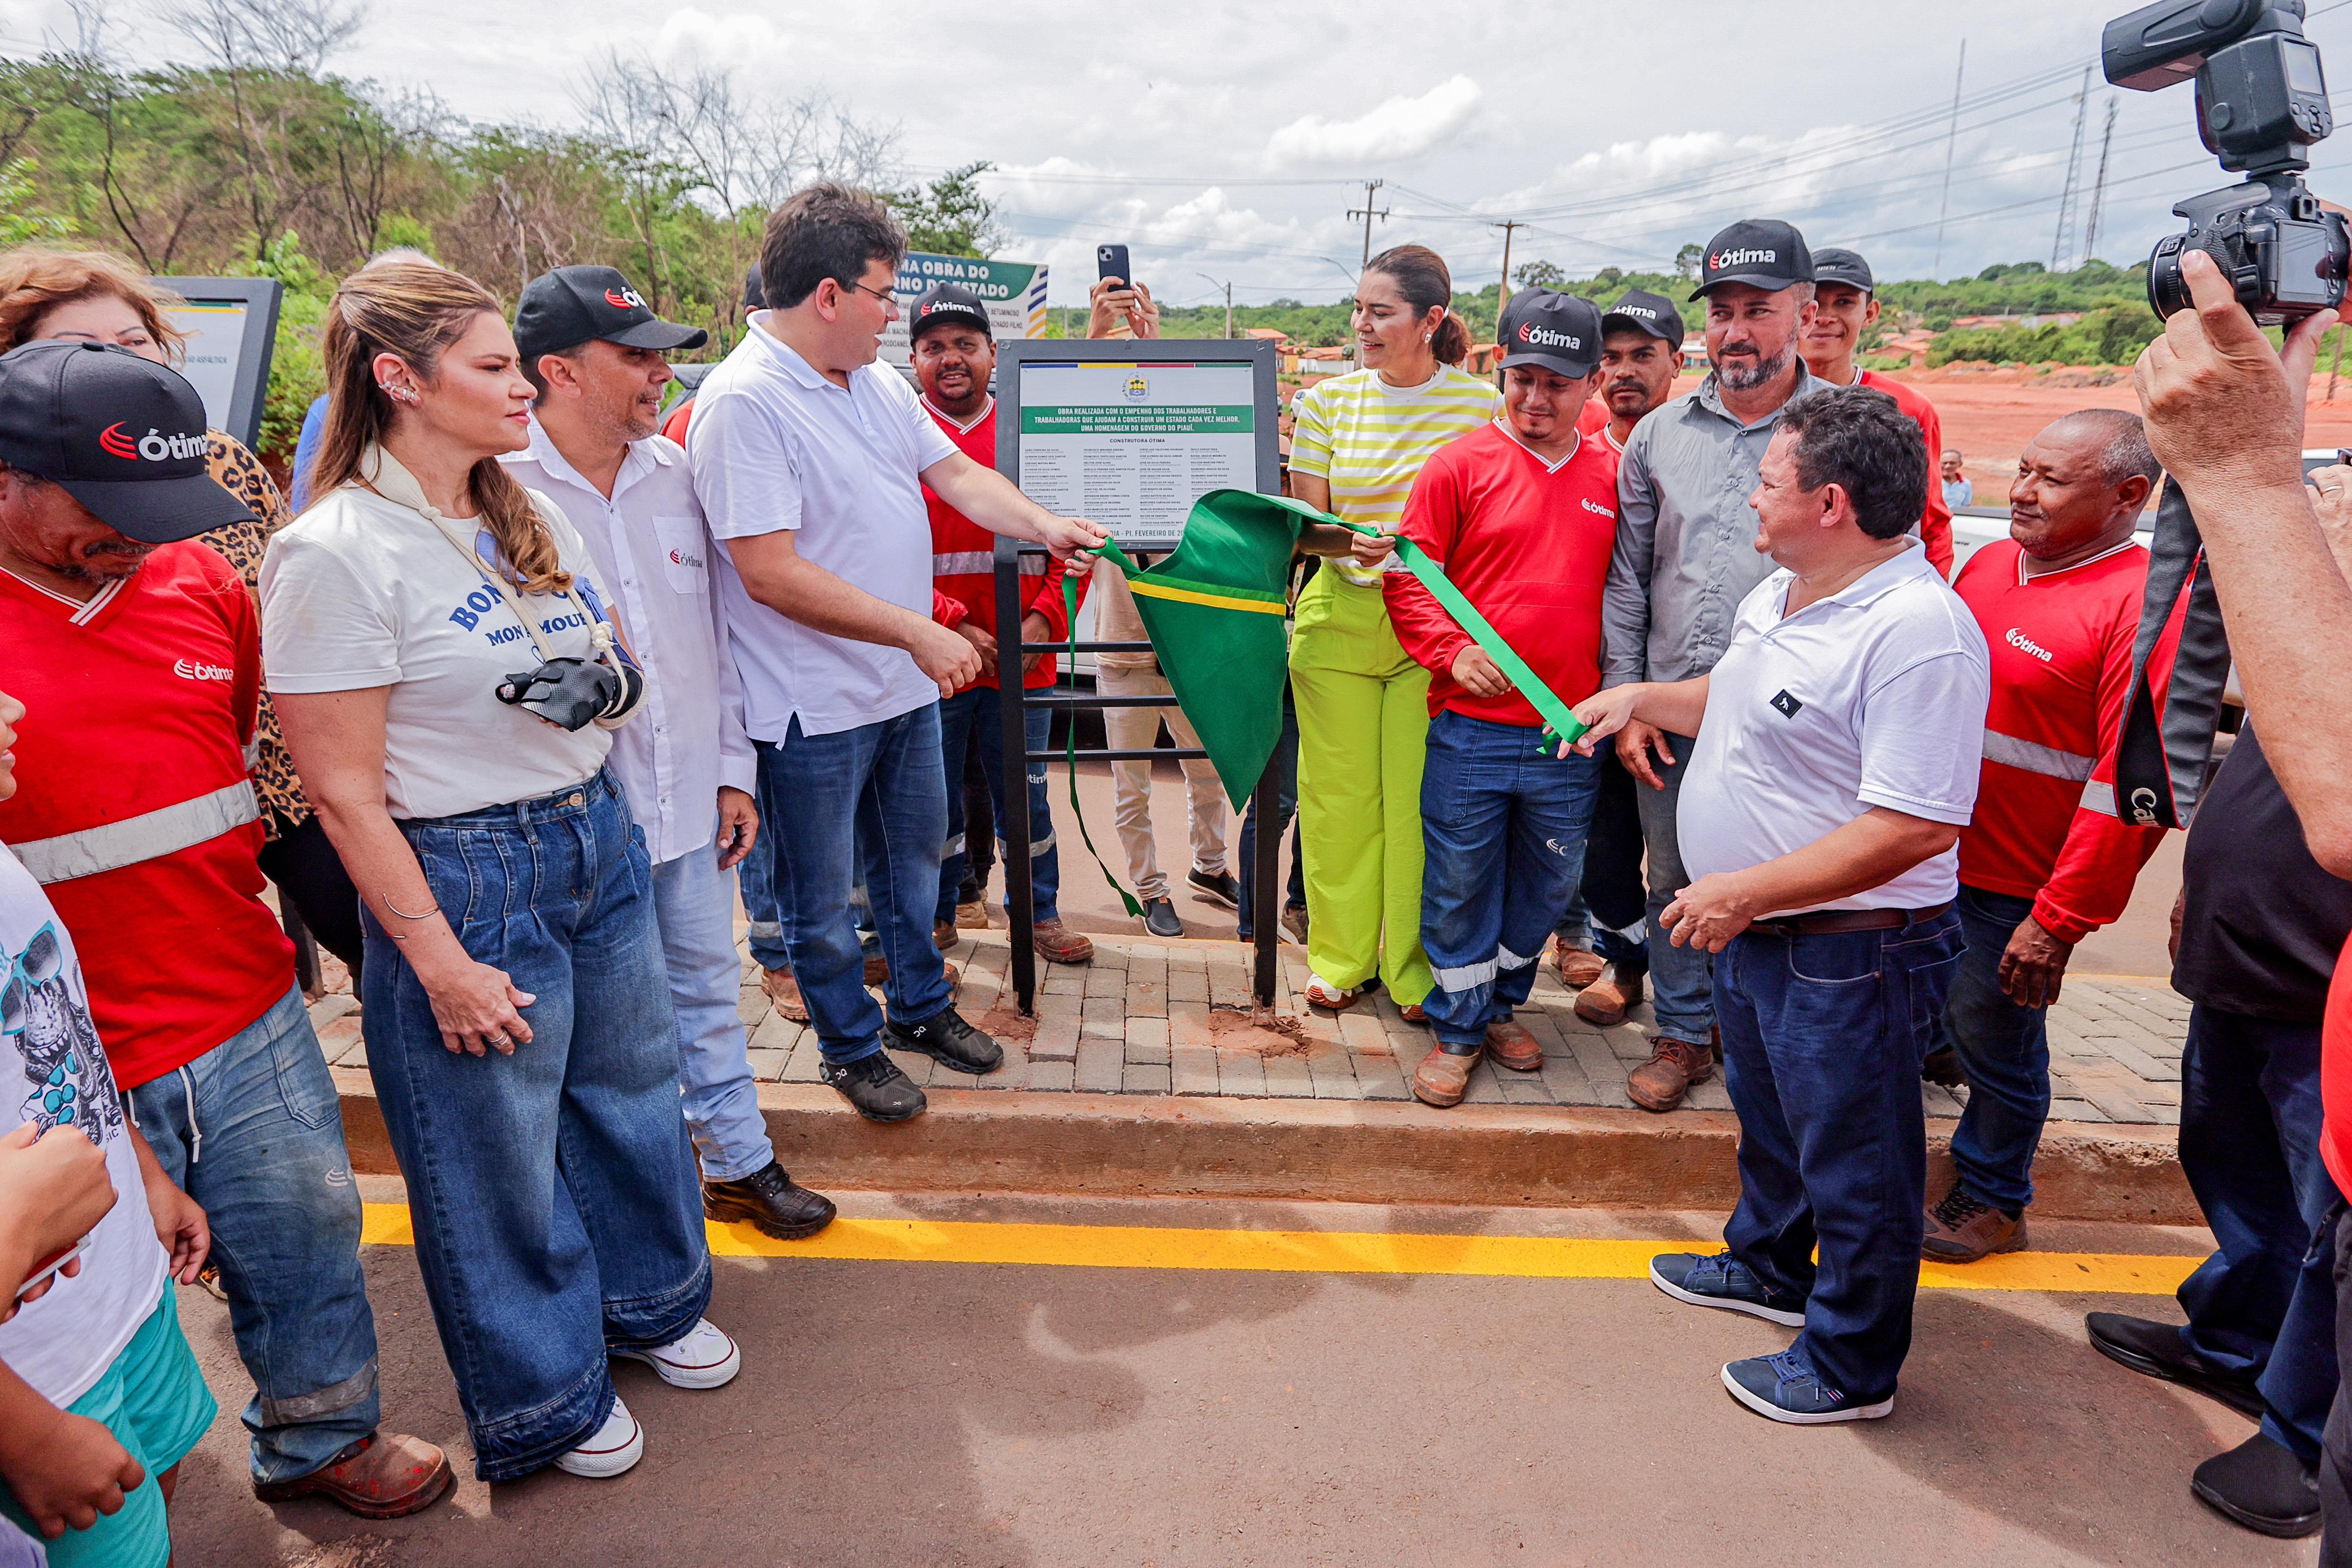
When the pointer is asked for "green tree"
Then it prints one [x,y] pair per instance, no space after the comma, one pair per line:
[950,216]
[1687,259]
[1538,275]
[22,222]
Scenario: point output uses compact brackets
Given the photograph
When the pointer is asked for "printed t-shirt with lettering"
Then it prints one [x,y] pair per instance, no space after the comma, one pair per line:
[363,592]
[1368,440]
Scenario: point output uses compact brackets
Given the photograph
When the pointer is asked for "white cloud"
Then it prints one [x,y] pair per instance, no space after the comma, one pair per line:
[1400,128]
[692,34]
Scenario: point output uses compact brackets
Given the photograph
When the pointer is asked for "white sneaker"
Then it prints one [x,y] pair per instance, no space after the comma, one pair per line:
[704,1358]
[617,1446]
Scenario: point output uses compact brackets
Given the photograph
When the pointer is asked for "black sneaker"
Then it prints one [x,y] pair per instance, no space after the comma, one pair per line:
[1217,886]
[2262,1485]
[2157,1350]
[1160,917]
[772,1201]
[875,1086]
[948,1039]
[1723,1281]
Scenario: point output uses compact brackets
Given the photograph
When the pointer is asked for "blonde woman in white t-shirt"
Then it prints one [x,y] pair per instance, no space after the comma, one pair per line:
[446,672]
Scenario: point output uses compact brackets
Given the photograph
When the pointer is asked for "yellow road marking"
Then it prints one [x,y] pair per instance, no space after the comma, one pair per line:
[1342,1252]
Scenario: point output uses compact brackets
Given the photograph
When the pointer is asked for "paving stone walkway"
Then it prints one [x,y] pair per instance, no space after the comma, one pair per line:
[1143,1019]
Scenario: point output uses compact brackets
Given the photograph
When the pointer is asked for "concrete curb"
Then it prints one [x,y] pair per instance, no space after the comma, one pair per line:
[1134,1145]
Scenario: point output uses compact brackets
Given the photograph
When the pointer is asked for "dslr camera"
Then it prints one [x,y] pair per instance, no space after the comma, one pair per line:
[2262,103]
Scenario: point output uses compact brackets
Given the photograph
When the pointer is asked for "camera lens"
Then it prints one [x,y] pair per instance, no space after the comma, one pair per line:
[2168,291]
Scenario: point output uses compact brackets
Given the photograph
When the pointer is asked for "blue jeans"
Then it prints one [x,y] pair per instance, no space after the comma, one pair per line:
[252,1130]
[1286,799]
[1822,1038]
[1504,823]
[883,781]
[1609,910]
[2264,1302]
[757,878]
[1680,979]
[694,902]
[553,1189]
[975,719]
[2004,1050]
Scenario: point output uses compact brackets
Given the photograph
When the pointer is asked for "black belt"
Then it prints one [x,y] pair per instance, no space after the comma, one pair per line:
[1833,921]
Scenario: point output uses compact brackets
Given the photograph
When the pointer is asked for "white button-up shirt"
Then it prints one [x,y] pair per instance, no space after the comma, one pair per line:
[652,552]
[775,445]
[1873,697]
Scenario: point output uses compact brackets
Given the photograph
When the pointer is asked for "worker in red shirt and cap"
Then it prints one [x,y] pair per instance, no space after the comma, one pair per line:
[2046,862]
[1845,301]
[954,354]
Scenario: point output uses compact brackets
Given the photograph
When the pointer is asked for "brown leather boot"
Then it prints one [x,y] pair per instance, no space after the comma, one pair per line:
[784,992]
[943,935]
[1514,1047]
[1675,1067]
[1579,966]
[387,1474]
[1059,944]
[1604,1001]
[1443,1078]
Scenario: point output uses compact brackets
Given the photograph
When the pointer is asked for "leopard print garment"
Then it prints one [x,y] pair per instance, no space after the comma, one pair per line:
[240,472]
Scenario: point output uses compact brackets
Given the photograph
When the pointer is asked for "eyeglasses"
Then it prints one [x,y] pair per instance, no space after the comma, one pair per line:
[890,299]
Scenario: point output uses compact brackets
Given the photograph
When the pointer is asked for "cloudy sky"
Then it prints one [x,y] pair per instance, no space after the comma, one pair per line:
[1227,141]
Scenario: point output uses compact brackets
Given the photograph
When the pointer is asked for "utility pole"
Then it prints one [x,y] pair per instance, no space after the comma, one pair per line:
[2099,191]
[1229,299]
[1951,140]
[2067,195]
[1366,212]
[1503,294]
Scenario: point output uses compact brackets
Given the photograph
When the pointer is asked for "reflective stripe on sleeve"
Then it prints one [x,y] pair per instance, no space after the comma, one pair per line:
[966,563]
[2034,758]
[149,836]
[2099,796]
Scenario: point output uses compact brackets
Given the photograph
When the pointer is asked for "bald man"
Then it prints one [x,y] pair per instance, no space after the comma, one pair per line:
[2045,863]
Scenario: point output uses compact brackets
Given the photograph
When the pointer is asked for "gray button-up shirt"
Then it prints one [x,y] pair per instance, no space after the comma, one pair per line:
[1685,553]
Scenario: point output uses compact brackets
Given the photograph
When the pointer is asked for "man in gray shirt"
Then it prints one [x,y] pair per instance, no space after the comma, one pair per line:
[1687,555]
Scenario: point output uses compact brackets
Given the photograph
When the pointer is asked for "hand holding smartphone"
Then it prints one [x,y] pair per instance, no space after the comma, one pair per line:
[1111,261]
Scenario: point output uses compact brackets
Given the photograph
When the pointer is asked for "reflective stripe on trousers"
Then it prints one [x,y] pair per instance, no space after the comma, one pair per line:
[150,835]
[966,563]
[2036,758]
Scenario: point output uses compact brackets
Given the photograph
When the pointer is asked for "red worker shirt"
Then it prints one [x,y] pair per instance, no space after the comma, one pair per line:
[1528,542]
[1935,523]
[963,555]
[141,700]
[2335,1074]
[2062,665]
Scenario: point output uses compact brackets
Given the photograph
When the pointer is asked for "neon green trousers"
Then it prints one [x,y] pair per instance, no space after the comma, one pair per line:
[1363,729]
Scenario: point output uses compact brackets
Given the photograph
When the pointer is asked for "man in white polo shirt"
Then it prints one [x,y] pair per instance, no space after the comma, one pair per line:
[1838,747]
[597,352]
[810,460]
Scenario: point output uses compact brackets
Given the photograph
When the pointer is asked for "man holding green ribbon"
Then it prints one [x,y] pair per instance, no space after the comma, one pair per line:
[1519,517]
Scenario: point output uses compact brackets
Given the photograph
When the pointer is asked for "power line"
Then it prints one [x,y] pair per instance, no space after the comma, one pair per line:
[1367,214]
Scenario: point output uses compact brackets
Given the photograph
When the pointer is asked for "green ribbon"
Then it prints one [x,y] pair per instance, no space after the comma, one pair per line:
[1561,723]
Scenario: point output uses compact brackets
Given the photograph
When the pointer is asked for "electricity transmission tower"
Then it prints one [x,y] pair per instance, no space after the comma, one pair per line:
[2068,196]
[2099,189]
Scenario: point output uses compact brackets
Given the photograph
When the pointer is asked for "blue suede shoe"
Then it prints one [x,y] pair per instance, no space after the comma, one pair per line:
[1783,1389]
[1723,1281]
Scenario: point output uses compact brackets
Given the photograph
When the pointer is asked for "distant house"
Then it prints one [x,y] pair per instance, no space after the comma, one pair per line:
[1318,362]
[2056,318]
[1271,334]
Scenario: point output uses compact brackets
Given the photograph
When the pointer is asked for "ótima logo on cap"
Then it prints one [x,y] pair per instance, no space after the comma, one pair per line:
[152,447]
[626,300]
[1743,256]
[1545,338]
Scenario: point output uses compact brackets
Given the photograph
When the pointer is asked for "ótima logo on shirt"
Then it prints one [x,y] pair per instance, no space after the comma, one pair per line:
[682,558]
[190,670]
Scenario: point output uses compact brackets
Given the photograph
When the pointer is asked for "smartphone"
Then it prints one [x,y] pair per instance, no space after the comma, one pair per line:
[50,1265]
[1110,261]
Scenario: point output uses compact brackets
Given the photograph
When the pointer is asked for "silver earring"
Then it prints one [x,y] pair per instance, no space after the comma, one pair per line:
[1429,337]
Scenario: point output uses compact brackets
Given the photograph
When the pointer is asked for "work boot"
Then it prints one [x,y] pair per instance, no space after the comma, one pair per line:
[943,935]
[1294,920]
[971,914]
[1942,1066]
[2157,1350]
[1604,1001]
[1057,944]
[784,992]
[1674,1068]
[875,1086]
[384,1474]
[1513,1046]
[771,1201]
[1579,965]
[1963,1228]
[2262,1485]
[1443,1077]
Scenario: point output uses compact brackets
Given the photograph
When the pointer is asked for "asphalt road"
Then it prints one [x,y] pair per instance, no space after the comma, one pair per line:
[949,1413]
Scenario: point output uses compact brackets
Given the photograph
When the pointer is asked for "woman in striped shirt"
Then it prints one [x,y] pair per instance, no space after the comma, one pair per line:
[1363,711]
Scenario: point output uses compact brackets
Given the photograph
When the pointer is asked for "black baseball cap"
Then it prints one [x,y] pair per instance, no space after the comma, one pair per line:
[947,305]
[1834,264]
[1763,252]
[1560,332]
[572,304]
[754,297]
[1644,312]
[124,436]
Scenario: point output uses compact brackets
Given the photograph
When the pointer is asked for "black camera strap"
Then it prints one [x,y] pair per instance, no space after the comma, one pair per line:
[2161,753]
